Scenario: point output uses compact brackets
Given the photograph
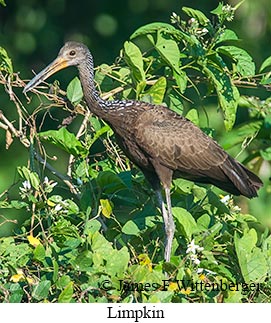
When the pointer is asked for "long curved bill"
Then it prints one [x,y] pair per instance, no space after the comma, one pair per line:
[58,64]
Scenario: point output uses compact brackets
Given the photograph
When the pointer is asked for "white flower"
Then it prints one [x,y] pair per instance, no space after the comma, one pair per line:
[193,248]
[174,18]
[236,208]
[26,185]
[58,207]
[46,180]
[225,199]
[26,189]
[195,259]
[53,184]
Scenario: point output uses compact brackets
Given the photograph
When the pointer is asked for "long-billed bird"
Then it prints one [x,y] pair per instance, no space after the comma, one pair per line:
[163,144]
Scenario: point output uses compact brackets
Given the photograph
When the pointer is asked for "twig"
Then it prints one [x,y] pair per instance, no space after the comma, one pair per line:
[66,179]
[14,131]
[7,220]
[81,130]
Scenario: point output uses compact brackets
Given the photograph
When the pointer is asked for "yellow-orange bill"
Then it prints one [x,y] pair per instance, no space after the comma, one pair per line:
[58,64]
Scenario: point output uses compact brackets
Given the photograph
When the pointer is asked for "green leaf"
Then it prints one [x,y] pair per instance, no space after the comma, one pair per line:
[5,61]
[185,220]
[65,233]
[193,116]
[99,244]
[157,91]
[18,204]
[134,59]
[110,182]
[181,79]
[226,35]
[131,228]
[63,281]
[83,261]
[74,91]
[102,77]
[228,95]
[251,259]
[174,102]
[153,28]
[209,240]
[169,51]
[203,222]
[91,227]
[13,204]
[2,2]
[117,262]
[169,31]
[244,63]
[266,63]
[106,207]
[66,295]
[71,207]
[16,293]
[140,86]
[266,153]
[65,140]
[56,270]
[218,11]
[39,253]
[126,178]
[198,15]
[240,133]
[184,185]
[99,133]
[161,297]
[266,79]
[31,177]
[41,290]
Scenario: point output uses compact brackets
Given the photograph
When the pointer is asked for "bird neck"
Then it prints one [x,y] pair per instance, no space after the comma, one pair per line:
[95,103]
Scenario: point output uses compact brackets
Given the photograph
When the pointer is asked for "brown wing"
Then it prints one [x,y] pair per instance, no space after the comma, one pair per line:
[178,144]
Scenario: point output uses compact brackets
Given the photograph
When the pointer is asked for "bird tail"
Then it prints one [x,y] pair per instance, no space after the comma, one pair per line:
[243,181]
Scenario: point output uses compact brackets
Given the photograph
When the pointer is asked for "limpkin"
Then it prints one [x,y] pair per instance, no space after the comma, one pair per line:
[163,144]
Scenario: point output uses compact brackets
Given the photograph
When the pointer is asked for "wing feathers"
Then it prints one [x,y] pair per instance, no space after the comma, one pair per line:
[182,147]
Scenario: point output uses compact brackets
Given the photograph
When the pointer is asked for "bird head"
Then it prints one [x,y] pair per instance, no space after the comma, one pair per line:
[71,54]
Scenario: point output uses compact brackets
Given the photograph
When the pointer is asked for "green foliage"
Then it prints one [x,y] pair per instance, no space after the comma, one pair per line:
[65,140]
[134,60]
[101,272]
[186,48]
[252,260]
[102,239]
[5,61]
[196,14]
[74,91]
[244,63]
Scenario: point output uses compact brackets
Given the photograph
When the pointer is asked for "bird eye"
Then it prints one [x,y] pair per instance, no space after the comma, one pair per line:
[72,53]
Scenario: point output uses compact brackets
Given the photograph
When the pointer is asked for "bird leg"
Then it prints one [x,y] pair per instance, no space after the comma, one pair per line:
[168,221]
[170,228]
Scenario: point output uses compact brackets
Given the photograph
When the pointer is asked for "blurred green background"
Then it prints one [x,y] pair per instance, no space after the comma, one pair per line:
[33,31]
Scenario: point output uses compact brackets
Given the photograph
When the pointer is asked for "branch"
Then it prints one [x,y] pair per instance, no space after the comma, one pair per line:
[66,179]
[8,126]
